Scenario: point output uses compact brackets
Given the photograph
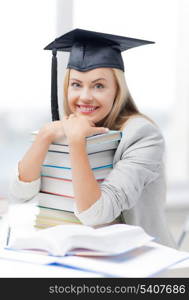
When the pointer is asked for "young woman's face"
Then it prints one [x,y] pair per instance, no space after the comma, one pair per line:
[92,93]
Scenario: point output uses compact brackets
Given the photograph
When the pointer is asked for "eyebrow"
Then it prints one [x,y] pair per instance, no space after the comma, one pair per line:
[92,81]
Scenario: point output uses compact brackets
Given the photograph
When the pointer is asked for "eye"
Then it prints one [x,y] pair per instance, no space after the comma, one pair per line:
[99,86]
[75,84]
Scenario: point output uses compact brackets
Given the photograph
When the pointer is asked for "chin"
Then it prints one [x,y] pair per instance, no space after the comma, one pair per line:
[94,120]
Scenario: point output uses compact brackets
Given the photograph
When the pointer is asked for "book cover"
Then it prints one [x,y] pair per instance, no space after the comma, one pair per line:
[111,135]
[106,145]
[96,160]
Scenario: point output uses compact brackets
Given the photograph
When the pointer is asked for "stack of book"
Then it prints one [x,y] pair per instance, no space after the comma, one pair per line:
[56,196]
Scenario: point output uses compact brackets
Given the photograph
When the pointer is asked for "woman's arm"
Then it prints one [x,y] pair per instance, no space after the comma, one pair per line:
[86,187]
[30,166]
[25,183]
[138,162]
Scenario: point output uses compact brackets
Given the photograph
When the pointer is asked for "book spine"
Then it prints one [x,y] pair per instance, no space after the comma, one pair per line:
[96,160]
[60,172]
[53,201]
[58,186]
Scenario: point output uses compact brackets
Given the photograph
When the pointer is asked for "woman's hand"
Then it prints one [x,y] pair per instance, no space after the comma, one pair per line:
[78,127]
[52,131]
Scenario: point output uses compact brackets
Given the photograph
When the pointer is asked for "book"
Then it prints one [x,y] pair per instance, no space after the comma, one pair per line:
[62,159]
[55,201]
[61,240]
[61,172]
[58,186]
[56,214]
[148,260]
[91,148]
[46,223]
[42,223]
[47,217]
[103,138]
[56,190]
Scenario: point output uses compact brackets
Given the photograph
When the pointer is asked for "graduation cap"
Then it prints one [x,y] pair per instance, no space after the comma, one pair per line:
[88,50]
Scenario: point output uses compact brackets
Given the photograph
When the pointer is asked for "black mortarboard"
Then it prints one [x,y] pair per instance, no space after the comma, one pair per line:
[88,50]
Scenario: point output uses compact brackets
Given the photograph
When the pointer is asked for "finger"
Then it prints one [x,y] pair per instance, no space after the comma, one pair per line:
[65,118]
[71,116]
[97,130]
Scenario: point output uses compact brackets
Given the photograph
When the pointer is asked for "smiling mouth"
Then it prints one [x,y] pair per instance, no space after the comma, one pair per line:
[86,109]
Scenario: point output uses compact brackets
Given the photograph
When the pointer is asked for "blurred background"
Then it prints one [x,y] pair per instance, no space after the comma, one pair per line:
[157,76]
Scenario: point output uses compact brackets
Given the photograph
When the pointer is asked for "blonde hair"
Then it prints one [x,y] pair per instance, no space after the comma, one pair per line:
[123,108]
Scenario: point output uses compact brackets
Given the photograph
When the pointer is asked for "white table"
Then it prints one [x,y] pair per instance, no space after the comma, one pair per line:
[21,218]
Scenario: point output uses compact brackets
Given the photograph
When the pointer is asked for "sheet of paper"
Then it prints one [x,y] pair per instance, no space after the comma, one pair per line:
[24,256]
[145,261]
[182,264]
[16,269]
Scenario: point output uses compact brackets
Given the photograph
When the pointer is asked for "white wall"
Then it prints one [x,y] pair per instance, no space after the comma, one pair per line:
[26,28]
[64,23]
[178,159]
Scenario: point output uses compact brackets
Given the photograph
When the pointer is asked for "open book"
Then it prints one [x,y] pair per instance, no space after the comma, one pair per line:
[62,240]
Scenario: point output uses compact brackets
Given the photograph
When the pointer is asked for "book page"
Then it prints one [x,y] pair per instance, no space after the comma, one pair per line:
[54,240]
[60,239]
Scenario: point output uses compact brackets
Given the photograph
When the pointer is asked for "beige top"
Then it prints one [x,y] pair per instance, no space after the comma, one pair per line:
[134,191]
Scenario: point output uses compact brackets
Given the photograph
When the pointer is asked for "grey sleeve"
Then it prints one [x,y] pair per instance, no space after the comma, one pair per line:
[23,191]
[140,155]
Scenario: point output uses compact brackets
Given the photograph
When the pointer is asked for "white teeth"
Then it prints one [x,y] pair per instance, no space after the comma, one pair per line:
[86,109]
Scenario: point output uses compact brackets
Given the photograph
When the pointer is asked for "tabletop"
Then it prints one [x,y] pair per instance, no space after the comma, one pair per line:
[20,218]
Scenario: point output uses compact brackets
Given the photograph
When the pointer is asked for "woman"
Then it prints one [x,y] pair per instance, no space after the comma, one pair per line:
[97,99]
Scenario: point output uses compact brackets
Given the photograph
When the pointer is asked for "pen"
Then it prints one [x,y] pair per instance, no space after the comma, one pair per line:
[8,235]
[181,239]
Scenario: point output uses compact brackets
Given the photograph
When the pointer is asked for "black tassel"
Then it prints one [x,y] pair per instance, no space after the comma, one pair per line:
[54,97]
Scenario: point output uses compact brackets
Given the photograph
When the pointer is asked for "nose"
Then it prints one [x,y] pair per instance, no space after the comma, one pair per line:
[86,95]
